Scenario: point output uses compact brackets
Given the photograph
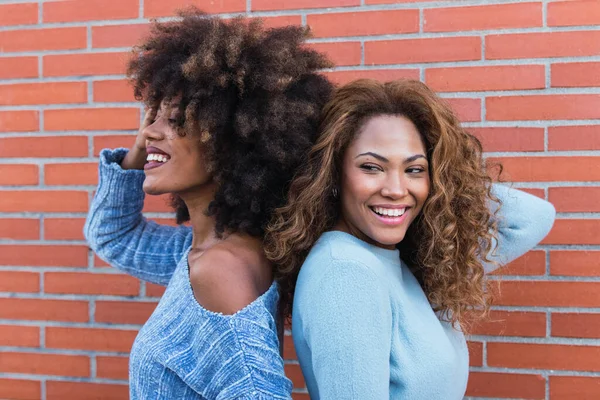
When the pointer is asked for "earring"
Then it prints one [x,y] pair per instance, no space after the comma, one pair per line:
[335,193]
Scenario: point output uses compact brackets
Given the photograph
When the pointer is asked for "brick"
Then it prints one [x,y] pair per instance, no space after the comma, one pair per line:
[494,384]
[548,169]
[575,199]
[113,91]
[544,356]
[20,389]
[19,228]
[475,353]
[47,146]
[44,255]
[503,77]
[123,312]
[535,192]
[71,174]
[59,390]
[571,13]
[541,45]
[289,351]
[530,264]
[396,1]
[161,8]
[43,201]
[300,396]
[92,119]
[574,231]
[157,203]
[85,64]
[501,16]
[577,74]
[44,310]
[18,67]
[96,339]
[89,10]
[18,14]
[19,282]
[467,110]
[294,374]
[18,174]
[19,336]
[342,77]
[119,35]
[340,53]
[576,325]
[574,137]
[99,262]
[575,263]
[364,23]
[89,283]
[45,364]
[112,367]
[19,121]
[112,142]
[43,39]
[64,228]
[408,51]
[549,294]
[514,323]
[510,139]
[263,5]
[281,21]
[43,93]
[153,290]
[544,107]
[582,387]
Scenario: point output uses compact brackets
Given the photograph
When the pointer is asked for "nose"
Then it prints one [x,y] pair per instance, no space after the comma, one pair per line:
[395,186]
[153,131]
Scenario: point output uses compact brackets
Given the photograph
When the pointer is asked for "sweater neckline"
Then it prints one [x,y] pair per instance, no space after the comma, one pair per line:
[391,255]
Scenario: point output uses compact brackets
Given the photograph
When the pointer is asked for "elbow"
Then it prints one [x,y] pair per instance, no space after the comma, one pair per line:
[546,217]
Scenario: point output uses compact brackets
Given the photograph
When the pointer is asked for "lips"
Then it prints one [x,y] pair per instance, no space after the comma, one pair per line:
[155,158]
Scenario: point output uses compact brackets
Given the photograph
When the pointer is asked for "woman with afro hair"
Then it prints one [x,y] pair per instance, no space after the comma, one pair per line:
[232,110]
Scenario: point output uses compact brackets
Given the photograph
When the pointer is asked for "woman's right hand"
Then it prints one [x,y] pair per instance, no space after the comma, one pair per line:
[136,157]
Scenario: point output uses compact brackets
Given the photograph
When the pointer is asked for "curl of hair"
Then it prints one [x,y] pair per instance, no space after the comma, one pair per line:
[253,95]
[448,242]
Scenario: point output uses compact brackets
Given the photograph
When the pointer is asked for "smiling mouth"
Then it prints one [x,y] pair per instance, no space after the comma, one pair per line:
[154,160]
[389,212]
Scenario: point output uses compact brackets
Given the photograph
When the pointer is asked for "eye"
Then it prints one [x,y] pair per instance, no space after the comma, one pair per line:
[370,167]
[172,121]
[415,170]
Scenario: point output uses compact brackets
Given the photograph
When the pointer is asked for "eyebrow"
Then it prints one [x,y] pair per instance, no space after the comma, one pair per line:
[383,159]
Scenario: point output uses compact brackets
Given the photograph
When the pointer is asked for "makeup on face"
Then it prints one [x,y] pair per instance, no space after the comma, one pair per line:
[385,180]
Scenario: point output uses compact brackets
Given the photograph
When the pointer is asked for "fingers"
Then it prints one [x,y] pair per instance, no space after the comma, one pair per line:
[149,116]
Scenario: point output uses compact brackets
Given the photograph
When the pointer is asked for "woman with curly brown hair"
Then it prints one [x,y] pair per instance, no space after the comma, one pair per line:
[394,222]
[233,111]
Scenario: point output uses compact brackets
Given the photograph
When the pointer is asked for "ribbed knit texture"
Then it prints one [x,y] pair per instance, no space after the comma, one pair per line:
[183,351]
[363,328]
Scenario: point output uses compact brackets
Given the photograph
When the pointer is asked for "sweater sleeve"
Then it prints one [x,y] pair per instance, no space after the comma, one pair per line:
[119,234]
[523,221]
[348,330]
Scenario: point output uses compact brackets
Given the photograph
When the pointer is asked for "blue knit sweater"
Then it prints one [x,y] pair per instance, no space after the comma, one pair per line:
[363,327]
[183,351]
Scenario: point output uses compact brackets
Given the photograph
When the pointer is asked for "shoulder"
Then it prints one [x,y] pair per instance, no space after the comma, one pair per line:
[223,279]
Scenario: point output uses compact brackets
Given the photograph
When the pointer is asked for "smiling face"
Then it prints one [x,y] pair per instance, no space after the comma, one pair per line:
[384,182]
[176,164]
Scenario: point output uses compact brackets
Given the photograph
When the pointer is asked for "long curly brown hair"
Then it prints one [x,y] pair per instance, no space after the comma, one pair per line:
[254,95]
[449,241]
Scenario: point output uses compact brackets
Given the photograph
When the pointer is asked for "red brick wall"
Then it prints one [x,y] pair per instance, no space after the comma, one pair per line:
[523,75]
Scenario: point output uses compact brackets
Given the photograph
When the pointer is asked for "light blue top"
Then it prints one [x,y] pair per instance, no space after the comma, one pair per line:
[183,351]
[363,328]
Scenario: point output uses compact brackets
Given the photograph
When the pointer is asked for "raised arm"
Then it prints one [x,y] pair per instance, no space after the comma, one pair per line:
[119,234]
[347,323]
[523,221]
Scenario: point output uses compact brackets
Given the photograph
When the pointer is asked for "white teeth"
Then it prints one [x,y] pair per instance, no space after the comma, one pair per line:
[390,212]
[157,157]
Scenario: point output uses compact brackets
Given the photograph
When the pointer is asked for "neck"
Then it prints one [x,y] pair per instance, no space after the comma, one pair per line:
[203,226]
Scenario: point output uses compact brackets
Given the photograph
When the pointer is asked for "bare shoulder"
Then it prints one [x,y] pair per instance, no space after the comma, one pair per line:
[226,277]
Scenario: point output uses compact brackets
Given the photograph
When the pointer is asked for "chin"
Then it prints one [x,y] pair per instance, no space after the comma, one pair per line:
[152,189]
[388,240]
